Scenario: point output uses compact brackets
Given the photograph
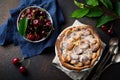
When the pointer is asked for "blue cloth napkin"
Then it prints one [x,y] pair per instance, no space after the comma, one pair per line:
[9,33]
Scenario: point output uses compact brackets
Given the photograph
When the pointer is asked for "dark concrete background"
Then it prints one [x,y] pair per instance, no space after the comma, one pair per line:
[41,67]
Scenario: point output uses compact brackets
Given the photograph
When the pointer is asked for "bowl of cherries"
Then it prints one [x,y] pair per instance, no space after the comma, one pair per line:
[34,24]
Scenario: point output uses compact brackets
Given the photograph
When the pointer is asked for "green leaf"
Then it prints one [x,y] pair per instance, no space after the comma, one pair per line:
[103,20]
[107,4]
[79,13]
[78,4]
[117,8]
[92,2]
[95,12]
[22,26]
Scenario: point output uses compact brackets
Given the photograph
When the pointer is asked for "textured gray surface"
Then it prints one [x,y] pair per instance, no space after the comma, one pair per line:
[41,67]
[5,7]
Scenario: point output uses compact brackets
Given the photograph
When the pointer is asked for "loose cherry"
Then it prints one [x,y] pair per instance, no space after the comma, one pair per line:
[22,69]
[15,61]
[104,28]
[110,31]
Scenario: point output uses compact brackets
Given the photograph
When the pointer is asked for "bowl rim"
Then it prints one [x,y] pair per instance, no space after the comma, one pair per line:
[49,17]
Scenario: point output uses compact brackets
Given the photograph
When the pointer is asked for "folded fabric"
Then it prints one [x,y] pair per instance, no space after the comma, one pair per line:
[9,33]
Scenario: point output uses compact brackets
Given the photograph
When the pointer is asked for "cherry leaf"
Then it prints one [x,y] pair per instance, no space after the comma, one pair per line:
[78,4]
[107,3]
[79,13]
[95,12]
[117,8]
[92,2]
[103,20]
[23,26]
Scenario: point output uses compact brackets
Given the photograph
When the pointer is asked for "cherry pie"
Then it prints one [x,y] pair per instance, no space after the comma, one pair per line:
[78,47]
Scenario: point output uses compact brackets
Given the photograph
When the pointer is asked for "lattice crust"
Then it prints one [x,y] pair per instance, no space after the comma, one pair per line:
[78,47]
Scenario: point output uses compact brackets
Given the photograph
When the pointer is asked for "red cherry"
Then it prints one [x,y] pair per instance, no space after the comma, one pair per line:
[41,23]
[104,28]
[35,22]
[28,11]
[43,13]
[23,15]
[110,31]
[48,23]
[43,33]
[15,61]
[29,16]
[37,37]
[30,36]
[22,69]
[33,11]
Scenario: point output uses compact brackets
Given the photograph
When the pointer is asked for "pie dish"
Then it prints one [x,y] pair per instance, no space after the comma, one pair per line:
[78,47]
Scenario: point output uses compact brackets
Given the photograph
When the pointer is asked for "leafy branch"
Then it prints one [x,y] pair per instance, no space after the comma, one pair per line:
[104,10]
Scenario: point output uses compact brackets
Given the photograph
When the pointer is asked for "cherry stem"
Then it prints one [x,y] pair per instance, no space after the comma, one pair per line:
[28,63]
[22,59]
[111,26]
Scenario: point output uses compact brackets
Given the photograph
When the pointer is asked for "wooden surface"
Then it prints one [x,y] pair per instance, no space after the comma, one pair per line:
[41,67]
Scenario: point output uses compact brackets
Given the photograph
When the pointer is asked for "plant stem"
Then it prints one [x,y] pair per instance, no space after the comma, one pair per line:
[109,12]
